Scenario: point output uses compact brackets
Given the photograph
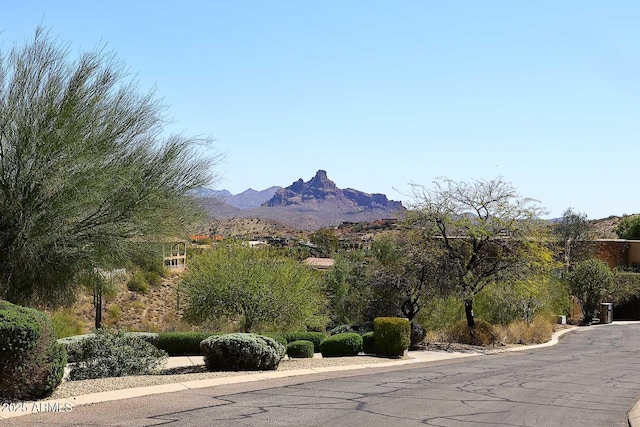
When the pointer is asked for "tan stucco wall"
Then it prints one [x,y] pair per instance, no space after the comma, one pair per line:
[634,252]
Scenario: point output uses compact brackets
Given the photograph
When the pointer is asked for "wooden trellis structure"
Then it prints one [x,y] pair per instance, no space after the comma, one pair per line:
[174,255]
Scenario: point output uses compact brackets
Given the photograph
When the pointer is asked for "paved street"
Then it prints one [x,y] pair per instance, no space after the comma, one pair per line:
[592,378]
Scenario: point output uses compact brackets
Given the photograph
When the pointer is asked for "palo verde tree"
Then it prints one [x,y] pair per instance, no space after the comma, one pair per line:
[85,169]
[254,286]
[485,231]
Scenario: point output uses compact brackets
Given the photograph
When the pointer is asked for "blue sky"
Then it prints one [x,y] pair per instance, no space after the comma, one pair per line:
[383,93]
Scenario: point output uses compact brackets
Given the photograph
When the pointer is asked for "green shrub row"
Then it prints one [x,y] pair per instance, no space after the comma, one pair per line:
[182,343]
[349,344]
[314,337]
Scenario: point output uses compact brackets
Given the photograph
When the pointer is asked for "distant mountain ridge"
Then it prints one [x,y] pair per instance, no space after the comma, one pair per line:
[303,205]
[249,198]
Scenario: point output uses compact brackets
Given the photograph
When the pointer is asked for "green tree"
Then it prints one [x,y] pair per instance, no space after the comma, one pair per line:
[260,289]
[629,228]
[589,281]
[572,228]
[403,274]
[346,288]
[485,231]
[84,170]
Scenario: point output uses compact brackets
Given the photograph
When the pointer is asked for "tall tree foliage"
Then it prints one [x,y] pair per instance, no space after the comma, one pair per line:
[629,228]
[259,289]
[572,228]
[84,169]
[589,281]
[405,271]
[485,229]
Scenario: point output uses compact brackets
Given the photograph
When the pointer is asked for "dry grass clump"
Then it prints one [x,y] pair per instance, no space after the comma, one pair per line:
[483,334]
[519,332]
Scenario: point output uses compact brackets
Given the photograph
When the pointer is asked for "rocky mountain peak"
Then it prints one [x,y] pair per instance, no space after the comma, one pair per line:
[321,189]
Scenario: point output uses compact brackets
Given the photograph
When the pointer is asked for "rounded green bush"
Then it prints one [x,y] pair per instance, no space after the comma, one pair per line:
[31,361]
[392,335]
[349,344]
[113,353]
[315,337]
[368,343]
[242,352]
[302,349]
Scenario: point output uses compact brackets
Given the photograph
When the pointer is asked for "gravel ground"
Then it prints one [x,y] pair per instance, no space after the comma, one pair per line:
[192,373]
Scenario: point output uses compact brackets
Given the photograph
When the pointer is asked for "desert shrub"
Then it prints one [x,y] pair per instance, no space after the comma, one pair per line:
[241,352]
[348,344]
[72,346]
[483,333]
[300,349]
[138,283]
[418,335]
[368,343]
[66,324]
[114,312]
[181,343]
[538,331]
[114,353]
[626,287]
[314,337]
[152,278]
[392,335]
[31,361]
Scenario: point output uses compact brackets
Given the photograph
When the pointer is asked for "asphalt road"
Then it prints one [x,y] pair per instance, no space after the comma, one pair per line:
[591,378]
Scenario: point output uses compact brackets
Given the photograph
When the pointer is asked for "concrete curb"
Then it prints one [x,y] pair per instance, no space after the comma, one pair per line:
[66,405]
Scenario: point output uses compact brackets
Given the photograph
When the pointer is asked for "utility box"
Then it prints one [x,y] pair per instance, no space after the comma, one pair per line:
[606,312]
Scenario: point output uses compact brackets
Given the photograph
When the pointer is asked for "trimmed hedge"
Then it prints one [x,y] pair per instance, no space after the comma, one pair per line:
[241,352]
[392,335]
[315,337]
[302,349]
[31,361]
[368,343]
[182,343]
[349,344]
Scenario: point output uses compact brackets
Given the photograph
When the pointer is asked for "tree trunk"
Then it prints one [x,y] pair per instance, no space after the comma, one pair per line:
[97,302]
[468,311]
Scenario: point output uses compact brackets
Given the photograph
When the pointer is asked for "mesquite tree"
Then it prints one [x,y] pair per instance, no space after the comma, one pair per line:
[485,230]
[85,169]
